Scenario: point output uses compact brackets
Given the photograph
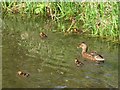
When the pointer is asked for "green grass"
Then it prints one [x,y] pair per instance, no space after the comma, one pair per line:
[100,19]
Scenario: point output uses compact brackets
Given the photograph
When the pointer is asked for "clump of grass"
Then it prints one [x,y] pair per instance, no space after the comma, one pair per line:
[100,19]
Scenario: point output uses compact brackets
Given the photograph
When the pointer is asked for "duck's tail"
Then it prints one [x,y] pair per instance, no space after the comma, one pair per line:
[99,58]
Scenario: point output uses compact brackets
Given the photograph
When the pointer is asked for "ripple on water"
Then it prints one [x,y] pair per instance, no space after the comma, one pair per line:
[56,67]
[60,87]
[57,64]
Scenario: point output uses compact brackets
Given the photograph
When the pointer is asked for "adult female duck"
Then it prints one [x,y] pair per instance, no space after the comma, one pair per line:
[92,56]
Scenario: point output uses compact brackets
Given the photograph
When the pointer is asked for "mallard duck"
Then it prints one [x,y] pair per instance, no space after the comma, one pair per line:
[92,56]
[43,35]
[78,62]
[23,74]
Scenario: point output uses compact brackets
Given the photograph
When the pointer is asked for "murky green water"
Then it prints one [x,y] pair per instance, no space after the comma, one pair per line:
[1,68]
[50,62]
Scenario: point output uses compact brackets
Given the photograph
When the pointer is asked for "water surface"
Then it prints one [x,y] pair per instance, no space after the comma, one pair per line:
[50,62]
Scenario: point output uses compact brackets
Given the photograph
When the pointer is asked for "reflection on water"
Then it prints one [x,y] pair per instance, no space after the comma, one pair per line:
[50,62]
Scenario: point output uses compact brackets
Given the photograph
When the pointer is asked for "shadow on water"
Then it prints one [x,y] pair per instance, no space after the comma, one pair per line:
[50,61]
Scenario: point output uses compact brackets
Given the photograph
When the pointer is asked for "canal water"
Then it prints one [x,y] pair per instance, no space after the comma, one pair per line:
[50,61]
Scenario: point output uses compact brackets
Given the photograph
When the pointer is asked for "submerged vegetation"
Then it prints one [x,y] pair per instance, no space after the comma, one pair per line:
[97,19]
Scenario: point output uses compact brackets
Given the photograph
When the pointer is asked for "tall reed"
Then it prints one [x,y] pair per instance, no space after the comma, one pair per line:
[98,18]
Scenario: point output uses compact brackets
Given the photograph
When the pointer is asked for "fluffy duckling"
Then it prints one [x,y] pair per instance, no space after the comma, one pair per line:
[78,62]
[23,74]
[43,35]
[75,30]
[92,56]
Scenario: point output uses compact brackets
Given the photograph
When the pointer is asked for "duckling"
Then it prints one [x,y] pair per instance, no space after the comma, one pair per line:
[92,56]
[43,35]
[23,74]
[75,30]
[78,62]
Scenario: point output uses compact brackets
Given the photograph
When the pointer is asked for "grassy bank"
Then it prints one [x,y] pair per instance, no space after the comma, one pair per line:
[98,19]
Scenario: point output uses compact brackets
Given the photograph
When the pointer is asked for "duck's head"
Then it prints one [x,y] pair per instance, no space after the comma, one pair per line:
[19,72]
[75,30]
[76,60]
[41,33]
[82,45]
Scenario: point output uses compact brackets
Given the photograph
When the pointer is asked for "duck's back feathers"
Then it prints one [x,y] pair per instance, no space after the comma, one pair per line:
[97,56]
